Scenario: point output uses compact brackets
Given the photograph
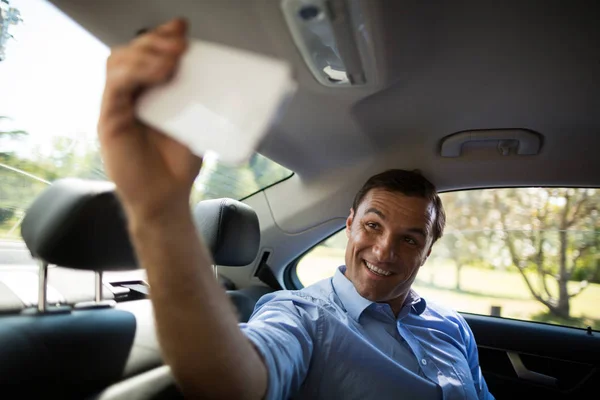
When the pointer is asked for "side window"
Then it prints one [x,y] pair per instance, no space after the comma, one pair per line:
[322,261]
[525,253]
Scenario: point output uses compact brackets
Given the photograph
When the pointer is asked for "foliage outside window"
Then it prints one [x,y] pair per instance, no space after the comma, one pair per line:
[54,73]
[524,253]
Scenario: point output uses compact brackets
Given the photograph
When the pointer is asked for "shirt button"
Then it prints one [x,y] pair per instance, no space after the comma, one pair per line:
[423,361]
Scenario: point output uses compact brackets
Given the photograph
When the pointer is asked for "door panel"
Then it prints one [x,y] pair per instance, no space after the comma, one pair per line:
[520,358]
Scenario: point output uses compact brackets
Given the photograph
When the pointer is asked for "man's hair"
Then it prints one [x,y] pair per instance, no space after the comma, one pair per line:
[409,183]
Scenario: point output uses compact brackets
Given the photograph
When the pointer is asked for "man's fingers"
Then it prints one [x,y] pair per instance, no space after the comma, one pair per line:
[175,27]
[173,45]
[150,59]
[129,69]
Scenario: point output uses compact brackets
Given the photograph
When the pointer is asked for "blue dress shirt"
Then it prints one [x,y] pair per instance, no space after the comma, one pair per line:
[328,342]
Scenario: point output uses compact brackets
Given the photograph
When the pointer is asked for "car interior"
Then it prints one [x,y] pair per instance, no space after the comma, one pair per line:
[475,95]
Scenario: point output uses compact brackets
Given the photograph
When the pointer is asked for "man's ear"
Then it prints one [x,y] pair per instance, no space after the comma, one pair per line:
[349,222]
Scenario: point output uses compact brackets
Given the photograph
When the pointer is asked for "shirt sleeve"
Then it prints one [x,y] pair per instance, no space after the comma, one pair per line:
[473,359]
[283,332]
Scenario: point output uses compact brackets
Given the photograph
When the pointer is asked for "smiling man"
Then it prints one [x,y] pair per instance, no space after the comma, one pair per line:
[363,334]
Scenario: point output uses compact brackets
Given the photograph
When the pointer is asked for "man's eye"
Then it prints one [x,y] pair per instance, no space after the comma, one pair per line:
[410,240]
[372,225]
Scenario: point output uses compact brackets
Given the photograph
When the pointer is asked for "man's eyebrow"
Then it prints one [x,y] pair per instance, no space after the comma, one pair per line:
[375,211]
[418,231]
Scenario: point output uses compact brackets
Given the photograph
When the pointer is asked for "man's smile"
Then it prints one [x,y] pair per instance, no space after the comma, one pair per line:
[379,272]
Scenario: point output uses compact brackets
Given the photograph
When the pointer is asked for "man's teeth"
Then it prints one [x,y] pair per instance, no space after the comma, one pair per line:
[377,270]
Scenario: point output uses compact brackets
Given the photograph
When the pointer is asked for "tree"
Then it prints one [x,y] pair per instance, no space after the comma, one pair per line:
[8,16]
[73,158]
[266,172]
[221,180]
[10,133]
[465,236]
[561,229]
[10,180]
[18,189]
[549,236]
[24,177]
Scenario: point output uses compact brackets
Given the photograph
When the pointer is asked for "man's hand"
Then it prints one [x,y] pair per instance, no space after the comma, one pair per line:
[153,172]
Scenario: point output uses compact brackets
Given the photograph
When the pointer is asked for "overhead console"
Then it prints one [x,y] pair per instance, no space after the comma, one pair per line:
[333,38]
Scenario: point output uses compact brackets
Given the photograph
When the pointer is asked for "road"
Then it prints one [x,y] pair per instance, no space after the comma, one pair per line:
[14,253]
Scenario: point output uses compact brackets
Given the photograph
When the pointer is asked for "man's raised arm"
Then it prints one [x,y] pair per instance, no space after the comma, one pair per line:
[200,339]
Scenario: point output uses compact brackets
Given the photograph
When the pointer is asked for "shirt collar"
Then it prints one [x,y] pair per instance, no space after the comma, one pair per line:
[416,302]
[355,304]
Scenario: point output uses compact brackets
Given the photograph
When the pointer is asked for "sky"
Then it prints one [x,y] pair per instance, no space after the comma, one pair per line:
[52,78]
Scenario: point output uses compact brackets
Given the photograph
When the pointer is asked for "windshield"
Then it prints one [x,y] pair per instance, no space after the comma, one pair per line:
[51,80]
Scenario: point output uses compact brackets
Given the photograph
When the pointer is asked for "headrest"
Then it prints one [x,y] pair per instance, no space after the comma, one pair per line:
[230,229]
[80,224]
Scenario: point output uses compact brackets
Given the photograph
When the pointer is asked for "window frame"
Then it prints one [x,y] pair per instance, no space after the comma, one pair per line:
[292,173]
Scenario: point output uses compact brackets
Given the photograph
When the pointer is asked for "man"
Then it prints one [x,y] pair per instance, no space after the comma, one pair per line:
[362,334]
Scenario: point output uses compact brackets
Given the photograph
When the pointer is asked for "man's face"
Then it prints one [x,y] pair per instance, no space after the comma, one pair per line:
[389,239]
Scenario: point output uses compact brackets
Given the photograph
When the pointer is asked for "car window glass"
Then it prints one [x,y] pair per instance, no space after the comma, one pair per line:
[524,253]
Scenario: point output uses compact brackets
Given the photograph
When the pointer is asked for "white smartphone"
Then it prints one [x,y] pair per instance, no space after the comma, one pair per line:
[221,99]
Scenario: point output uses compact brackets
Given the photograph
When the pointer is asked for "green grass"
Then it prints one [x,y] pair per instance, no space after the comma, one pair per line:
[7,226]
[480,290]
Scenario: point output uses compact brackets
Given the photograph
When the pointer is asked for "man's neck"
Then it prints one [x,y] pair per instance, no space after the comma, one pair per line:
[397,303]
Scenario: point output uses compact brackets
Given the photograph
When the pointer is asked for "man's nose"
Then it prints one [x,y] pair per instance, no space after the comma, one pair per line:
[384,249]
